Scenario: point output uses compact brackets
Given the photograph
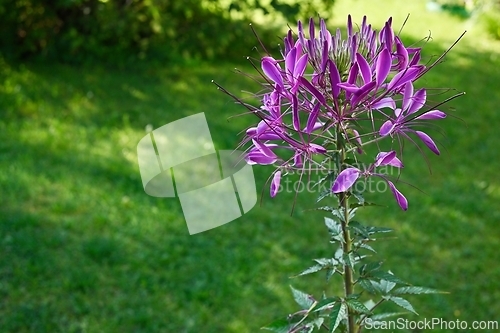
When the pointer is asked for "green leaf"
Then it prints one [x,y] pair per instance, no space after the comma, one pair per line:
[325,303]
[318,322]
[412,290]
[335,229]
[357,306]
[370,267]
[364,204]
[382,316]
[279,326]
[388,277]
[326,209]
[402,303]
[339,313]
[324,194]
[310,270]
[305,301]
[367,285]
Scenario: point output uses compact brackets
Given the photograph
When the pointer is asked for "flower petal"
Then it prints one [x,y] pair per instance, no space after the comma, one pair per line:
[407,96]
[334,78]
[428,142]
[400,198]
[383,66]
[384,157]
[386,102]
[311,121]
[388,158]
[255,156]
[345,180]
[417,101]
[275,184]
[387,128]
[433,114]
[364,67]
[271,71]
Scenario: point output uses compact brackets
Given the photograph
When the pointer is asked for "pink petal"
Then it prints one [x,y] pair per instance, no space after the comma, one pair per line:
[290,63]
[334,78]
[386,102]
[434,114]
[428,142]
[345,180]
[388,158]
[317,148]
[255,156]
[272,72]
[383,158]
[300,66]
[387,128]
[407,96]
[400,198]
[275,184]
[383,66]
[404,76]
[311,121]
[364,67]
[418,101]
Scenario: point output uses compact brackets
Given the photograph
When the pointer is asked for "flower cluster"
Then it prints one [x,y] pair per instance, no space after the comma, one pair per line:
[323,87]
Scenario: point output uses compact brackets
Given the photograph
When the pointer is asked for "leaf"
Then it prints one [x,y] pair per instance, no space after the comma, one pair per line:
[367,285]
[382,316]
[322,263]
[365,246]
[357,306]
[364,204]
[305,301]
[310,270]
[326,208]
[387,277]
[366,269]
[412,290]
[325,303]
[339,313]
[318,322]
[335,229]
[402,303]
[324,194]
[282,325]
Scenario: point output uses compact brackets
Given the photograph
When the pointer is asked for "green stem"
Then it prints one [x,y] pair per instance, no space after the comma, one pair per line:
[347,245]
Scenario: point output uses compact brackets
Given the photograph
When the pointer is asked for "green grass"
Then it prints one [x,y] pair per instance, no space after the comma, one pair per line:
[84,249]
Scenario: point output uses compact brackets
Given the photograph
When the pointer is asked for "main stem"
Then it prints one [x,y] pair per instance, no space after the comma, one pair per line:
[347,245]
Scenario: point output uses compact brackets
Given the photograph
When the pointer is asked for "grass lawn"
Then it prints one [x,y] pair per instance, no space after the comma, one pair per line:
[84,249]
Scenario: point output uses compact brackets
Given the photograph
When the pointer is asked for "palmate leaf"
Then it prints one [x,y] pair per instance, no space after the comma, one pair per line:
[368,286]
[322,263]
[304,300]
[279,326]
[339,313]
[413,290]
[325,303]
[387,277]
[402,303]
[357,306]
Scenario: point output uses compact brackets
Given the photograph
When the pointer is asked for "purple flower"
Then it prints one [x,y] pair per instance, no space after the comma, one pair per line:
[347,177]
[326,92]
[405,117]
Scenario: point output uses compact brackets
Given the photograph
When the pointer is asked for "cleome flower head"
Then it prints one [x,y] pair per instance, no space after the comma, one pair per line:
[321,92]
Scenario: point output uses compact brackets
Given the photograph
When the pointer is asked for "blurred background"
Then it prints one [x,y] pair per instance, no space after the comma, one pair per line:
[84,249]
